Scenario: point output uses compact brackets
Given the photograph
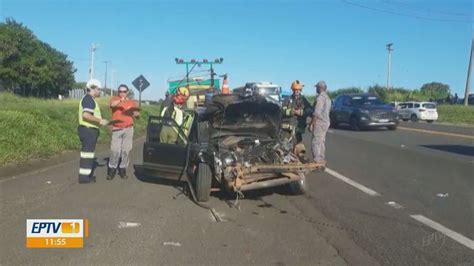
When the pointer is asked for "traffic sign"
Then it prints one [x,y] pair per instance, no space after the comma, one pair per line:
[141,83]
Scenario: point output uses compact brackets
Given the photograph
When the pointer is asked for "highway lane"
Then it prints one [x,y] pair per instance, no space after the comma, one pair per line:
[402,164]
[335,223]
[399,166]
[168,229]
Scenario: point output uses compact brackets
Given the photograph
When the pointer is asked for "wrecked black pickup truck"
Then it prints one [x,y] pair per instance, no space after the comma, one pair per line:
[234,144]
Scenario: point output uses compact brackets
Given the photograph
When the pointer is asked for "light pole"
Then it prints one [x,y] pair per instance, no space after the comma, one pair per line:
[468,81]
[389,49]
[91,70]
[105,79]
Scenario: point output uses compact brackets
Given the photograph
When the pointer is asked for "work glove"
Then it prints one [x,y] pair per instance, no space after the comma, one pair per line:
[104,122]
[298,112]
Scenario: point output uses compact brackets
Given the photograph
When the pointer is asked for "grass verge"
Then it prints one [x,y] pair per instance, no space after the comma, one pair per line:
[456,114]
[35,128]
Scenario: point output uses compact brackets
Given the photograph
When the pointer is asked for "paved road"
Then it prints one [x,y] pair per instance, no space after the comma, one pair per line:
[336,223]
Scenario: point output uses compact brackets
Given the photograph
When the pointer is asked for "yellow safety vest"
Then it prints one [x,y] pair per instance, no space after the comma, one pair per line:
[97,114]
[183,120]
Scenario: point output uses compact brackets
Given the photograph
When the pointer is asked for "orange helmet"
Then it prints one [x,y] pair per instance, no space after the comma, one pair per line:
[182,94]
[183,91]
[297,85]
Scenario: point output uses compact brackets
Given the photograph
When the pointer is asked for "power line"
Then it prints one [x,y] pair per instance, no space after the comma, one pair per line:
[408,6]
[402,14]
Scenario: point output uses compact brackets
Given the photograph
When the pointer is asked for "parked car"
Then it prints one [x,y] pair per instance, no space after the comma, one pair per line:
[265,88]
[233,144]
[416,111]
[361,111]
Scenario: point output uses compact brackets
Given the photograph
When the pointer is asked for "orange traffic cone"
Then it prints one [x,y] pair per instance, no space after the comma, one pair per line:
[225,86]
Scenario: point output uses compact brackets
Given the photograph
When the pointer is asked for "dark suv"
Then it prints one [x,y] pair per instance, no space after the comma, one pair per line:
[362,111]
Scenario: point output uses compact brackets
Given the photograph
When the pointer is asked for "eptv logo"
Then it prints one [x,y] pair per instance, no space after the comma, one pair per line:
[52,227]
[56,233]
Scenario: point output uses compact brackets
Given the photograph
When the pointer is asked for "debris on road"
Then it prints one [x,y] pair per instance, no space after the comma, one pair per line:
[174,244]
[441,195]
[128,225]
[48,182]
[394,205]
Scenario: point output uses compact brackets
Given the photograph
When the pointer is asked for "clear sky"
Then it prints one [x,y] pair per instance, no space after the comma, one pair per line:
[340,41]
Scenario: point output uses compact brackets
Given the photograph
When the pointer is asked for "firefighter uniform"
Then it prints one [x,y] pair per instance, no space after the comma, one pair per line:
[88,135]
[170,131]
[295,111]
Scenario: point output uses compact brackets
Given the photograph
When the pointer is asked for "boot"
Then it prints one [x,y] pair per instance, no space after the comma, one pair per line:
[123,173]
[111,173]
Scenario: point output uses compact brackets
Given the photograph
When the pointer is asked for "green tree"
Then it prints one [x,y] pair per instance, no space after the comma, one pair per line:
[379,91]
[334,94]
[435,90]
[29,66]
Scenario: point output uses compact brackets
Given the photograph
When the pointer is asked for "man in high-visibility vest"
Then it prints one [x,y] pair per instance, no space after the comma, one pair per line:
[170,131]
[295,112]
[90,119]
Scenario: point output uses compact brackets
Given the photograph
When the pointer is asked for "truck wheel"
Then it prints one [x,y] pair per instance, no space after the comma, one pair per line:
[429,121]
[203,182]
[392,127]
[414,118]
[298,187]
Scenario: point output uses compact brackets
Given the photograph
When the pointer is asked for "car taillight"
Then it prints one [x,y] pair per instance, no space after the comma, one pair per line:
[421,110]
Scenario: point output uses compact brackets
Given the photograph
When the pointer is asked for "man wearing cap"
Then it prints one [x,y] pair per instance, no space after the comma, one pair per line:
[296,110]
[124,110]
[320,123]
[90,119]
[170,132]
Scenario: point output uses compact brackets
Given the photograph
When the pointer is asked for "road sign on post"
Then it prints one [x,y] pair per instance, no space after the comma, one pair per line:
[140,84]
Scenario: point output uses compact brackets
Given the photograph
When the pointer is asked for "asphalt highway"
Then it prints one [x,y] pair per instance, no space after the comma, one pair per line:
[387,198]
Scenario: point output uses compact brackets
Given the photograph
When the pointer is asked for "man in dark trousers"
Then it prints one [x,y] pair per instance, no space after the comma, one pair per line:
[90,119]
[297,109]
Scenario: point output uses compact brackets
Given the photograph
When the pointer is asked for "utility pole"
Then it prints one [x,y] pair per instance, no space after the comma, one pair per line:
[105,79]
[389,49]
[91,69]
[468,81]
[112,85]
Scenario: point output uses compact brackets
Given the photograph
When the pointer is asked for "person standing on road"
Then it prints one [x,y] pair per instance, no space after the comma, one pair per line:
[90,119]
[297,107]
[320,123]
[124,110]
[170,132]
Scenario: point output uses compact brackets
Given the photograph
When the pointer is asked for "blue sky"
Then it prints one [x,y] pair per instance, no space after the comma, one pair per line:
[342,42]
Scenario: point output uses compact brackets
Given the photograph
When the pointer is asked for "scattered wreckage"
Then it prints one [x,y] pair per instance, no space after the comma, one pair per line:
[234,144]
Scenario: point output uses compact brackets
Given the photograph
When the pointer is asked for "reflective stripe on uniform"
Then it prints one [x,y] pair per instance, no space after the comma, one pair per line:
[96,112]
[85,171]
[87,155]
[287,126]
[176,115]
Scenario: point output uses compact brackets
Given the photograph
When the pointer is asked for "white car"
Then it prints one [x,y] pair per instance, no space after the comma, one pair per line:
[415,111]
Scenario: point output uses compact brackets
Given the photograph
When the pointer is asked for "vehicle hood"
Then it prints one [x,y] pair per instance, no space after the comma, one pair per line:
[387,108]
[256,115]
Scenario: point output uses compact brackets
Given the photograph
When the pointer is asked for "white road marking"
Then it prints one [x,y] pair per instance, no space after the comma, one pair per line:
[353,183]
[394,205]
[446,231]
[128,225]
[174,244]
